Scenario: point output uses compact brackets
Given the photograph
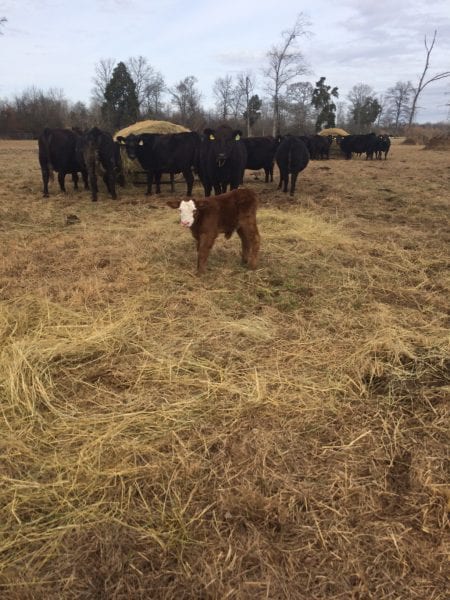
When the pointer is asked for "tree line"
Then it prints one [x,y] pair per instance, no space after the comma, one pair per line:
[281,101]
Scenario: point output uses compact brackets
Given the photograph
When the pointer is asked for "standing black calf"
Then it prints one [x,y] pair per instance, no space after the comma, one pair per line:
[96,150]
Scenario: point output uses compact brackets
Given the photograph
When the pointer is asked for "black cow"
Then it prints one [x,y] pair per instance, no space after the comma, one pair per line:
[292,157]
[222,159]
[358,144]
[261,154]
[57,152]
[96,150]
[318,145]
[383,144]
[159,153]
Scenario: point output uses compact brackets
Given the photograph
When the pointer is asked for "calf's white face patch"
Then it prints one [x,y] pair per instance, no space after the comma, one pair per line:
[187,211]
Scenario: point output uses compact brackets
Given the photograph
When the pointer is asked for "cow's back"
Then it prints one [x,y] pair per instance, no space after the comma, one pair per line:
[292,154]
[260,151]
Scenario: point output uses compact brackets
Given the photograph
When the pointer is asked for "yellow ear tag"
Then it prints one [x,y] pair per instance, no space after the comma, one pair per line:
[238,137]
[211,137]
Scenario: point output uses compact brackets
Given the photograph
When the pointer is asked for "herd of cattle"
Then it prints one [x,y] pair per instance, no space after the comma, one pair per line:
[218,156]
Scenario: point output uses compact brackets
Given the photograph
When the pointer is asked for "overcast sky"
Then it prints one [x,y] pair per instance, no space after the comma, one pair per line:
[56,43]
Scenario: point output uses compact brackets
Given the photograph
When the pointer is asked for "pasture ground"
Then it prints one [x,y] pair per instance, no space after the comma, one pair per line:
[277,434]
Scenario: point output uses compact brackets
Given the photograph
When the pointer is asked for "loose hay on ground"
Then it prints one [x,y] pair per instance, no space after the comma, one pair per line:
[271,434]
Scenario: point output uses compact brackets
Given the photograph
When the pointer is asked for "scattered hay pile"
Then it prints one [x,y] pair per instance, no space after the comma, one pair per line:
[440,142]
[421,135]
[148,126]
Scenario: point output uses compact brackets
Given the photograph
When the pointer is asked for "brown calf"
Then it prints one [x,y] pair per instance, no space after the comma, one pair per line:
[225,213]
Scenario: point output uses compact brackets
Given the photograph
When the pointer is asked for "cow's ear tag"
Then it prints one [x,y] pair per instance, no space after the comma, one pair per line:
[211,137]
[238,137]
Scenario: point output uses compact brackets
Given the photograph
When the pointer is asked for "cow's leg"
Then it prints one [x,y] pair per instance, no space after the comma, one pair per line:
[189,177]
[172,184]
[208,189]
[75,180]
[284,179]
[293,180]
[84,176]
[205,243]
[149,183]
[45,177]
[61,178]
[158,181]
[93,182]
[109,177]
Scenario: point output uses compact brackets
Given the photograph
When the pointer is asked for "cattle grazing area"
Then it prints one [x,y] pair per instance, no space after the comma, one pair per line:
[277,433]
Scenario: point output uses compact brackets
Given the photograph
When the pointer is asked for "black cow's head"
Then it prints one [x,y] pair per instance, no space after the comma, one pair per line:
[131,143]
[222,141]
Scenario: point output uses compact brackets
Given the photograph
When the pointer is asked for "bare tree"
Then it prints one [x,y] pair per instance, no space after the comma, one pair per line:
[237,102]
[424,82]
[223,92]
[186,99]
[286,62]
[103,73]
[3,20]
[142,74]
[246,84]
[398,98]
[153,93]
[298,104]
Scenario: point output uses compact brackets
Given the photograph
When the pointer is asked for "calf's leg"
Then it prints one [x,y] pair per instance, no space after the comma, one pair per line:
[204,245]
[250,239]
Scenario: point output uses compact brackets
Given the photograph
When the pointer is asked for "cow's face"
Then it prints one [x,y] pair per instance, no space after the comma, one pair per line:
[187,210]
[131,143]
[222,143]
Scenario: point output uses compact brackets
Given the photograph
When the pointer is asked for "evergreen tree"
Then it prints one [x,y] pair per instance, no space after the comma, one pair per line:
[254,110]
[121,106]
[322,102]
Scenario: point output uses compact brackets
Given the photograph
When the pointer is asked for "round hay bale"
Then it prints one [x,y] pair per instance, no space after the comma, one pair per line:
[150,126]
[132,167]
[333,131]
[409,142]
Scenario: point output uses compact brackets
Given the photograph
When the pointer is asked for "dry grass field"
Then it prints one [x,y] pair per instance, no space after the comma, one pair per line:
[277,434]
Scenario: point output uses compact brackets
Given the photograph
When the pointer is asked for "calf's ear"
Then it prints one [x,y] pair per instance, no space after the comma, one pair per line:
[201,203]
[173,203]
